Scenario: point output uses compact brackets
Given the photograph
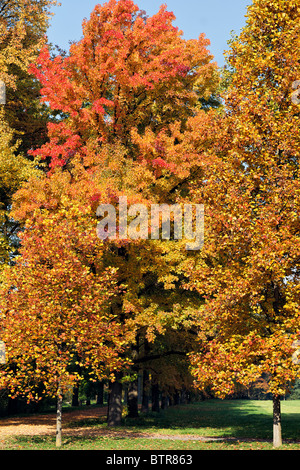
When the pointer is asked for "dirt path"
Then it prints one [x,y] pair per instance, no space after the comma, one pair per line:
[45,424]
[37,425]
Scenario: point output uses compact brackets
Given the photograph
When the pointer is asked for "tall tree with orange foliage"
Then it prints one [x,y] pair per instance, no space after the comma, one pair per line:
[55,303]
[249,267]
[128,72]
[128,79]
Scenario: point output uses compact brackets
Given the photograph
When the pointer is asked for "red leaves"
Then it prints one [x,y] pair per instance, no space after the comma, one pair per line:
[97,106]
[127,71]
[63,145]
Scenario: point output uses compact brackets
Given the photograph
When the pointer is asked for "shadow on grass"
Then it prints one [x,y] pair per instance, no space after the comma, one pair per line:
[225,420]
[86,422]
[230,418]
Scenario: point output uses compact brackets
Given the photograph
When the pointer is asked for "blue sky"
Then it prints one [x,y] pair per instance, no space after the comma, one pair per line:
[215,18]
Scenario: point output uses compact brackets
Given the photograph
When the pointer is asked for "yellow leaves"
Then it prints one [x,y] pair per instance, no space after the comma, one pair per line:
[21,35]
[14,169]
[18,22]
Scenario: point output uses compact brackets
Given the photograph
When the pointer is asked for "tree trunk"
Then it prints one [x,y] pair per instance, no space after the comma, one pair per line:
[132,399]
[155,397]
[183,396]
[277,437]
[75,397]
[59,418]
[114,416]
[164,401]
[145,396]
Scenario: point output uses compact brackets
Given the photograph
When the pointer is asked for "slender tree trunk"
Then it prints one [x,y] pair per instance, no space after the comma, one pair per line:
[75,397]
[155,397]
[277,436]
[59,418]
[114,417]
[177,398]
[145,396]
[183,396]
[164,401]
[132,399]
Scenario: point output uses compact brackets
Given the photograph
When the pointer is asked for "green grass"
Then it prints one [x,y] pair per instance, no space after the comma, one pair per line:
[238,425]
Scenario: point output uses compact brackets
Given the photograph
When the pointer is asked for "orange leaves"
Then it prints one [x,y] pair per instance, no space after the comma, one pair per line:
[57,298]
[126,91]
[56,302]
[242,360]
[127,72]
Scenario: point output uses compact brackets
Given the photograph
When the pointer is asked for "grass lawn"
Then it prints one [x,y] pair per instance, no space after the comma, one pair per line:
[234,424]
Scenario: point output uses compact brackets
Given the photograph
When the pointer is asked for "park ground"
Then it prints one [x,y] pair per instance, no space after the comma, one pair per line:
[208,425]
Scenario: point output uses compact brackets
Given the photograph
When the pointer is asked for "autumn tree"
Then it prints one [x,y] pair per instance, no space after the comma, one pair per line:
[23,118]
[129,71]
[248,270]
[55,304]
[129,80]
